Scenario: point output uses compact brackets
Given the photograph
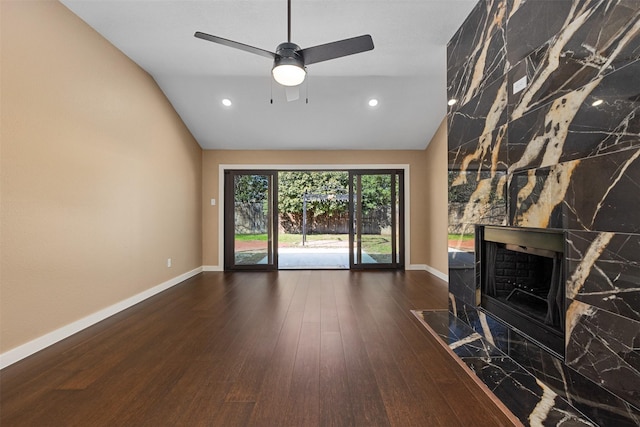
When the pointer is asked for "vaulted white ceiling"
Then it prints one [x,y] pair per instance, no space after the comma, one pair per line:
[406,71]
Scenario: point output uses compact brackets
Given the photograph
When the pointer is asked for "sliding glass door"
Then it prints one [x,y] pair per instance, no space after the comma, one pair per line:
[314,222]
[376,219]
[250,224]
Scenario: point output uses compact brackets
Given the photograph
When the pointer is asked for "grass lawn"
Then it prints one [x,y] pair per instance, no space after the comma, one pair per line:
[297,238]
[251,237]
[371,243]
[292,238]
[462,237]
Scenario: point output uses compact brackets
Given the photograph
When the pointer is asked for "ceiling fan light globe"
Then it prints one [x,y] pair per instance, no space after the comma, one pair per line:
[288,74]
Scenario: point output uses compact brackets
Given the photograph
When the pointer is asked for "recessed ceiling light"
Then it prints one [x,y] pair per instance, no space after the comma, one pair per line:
[452,102]
[373,102]
[226,102]
[597,102]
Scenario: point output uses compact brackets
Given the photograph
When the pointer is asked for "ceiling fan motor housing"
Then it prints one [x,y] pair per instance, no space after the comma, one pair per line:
[288,65]
[288,54]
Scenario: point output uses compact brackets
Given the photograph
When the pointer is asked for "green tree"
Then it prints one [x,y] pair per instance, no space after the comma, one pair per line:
[376,192]
[292,185]
[250,188]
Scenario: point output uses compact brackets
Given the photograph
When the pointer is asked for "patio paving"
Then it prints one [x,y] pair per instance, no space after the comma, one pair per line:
[337,258]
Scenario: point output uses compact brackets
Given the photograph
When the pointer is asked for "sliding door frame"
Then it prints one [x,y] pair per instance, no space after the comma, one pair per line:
[229,220]
[398,219]
[220,204]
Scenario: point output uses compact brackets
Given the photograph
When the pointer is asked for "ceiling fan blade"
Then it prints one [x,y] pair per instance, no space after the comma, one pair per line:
[292,93]
[235,45]
[337,49]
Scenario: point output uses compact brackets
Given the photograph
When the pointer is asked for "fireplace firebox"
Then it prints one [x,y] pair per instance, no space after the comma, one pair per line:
[521,281]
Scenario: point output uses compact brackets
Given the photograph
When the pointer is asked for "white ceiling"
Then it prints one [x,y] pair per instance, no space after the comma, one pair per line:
[406,71]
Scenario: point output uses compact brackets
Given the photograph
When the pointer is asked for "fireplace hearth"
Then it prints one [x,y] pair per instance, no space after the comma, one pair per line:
[521,281]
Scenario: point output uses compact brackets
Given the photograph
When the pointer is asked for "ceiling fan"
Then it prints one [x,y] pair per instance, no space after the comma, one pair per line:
[289,60]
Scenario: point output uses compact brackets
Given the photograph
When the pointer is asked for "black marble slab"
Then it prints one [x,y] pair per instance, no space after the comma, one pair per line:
[605,32]
[613,125]
[487,153]
[527,398]
[597,38]
[467,38]
[462,272]
[494,331]
[464,341]
[599,405]
[603,270]
[572,127]
[476,53]
[461,282]
[536,197]
[603,193]
[523,38]
[605,347]
[462,260]
[595,194]
[480,197]
[530,400]
[480,116]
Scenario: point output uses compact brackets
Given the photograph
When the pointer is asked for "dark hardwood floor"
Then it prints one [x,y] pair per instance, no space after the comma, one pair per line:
[289,348]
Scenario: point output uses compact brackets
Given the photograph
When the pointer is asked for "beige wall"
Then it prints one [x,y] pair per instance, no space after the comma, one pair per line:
[101,181]
[421,198]
[436,193]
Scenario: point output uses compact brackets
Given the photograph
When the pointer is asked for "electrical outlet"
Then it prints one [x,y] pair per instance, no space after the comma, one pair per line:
[520,85]
[213,202]
[168,262]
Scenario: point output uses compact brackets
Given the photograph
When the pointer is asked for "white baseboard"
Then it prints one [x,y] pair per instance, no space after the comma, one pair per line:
[16,354]
[429,269]
[438,274]
[212,268]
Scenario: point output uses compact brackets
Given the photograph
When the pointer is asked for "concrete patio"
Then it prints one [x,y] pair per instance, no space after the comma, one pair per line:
[312,257]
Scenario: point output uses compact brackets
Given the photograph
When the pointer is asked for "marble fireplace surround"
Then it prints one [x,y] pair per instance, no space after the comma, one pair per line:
[545,134]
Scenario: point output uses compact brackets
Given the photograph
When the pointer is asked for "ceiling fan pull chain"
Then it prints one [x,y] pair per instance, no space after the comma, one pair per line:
[288,21]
